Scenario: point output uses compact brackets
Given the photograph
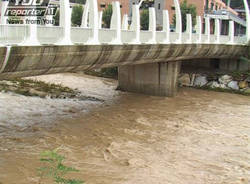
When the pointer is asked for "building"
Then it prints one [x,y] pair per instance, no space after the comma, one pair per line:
[202,7]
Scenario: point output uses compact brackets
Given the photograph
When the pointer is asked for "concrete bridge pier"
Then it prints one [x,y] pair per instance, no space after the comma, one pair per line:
[157,79]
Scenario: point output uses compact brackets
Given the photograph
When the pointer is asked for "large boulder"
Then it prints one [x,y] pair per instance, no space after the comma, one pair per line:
[184,80]
[233,85]
[225,79]
[243,84]
[200,81]
[213,84]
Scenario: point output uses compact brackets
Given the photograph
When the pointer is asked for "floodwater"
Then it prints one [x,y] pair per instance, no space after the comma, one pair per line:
[198,137]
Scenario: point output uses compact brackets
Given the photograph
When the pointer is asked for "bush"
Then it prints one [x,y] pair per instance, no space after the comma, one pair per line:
[76,17]
[106,17]
[186,9]
[145,19]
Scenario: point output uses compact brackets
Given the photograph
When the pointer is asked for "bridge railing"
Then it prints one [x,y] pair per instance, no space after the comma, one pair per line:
[13,34]
[92,33]
[49,34]
[80,35]
[128,36]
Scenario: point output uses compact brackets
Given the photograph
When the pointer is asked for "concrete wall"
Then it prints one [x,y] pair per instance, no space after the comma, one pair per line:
[158,79]
[21,61]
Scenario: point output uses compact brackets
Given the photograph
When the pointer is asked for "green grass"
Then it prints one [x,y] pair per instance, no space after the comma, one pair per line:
[54,169]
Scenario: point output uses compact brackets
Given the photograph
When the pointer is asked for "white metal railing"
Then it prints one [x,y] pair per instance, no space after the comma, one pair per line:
[80,35]
[106,35]
[13,34]
[92,33]
[128,36]
[49,34]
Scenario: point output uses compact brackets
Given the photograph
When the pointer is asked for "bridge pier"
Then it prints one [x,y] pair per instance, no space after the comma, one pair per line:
[157,79]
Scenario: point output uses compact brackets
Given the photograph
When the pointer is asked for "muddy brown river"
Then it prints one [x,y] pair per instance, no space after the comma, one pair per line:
[198,137]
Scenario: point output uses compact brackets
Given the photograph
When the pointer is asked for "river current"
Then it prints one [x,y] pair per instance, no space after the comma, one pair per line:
[197,137]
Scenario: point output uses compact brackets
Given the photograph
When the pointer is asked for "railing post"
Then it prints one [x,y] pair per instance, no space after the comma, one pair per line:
[217,31]
[49,18]
[166,26]
[178,27]
[152,24]
[85,15]
[116,22]
[4,5]
[198,29]
[189,28]
[125,22]
[135,26]
[31,26]
[93,22]
[100,20]
[65,22]
[207,29]
[231,32]
[247,21]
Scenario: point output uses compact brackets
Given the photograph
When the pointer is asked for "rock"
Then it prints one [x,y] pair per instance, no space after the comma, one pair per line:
[225,79]
[200,81]
[233,85]
[192,79]
[213,84]
[185,80]
[243,84]
[223,86]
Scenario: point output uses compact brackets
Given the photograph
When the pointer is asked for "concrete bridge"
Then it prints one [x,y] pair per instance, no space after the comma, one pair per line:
[148,61]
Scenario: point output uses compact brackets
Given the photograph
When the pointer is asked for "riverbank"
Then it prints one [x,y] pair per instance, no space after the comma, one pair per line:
[230,82]
[25,102]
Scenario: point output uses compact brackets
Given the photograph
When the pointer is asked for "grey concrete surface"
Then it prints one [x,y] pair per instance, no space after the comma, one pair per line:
[22,61]
[158,79]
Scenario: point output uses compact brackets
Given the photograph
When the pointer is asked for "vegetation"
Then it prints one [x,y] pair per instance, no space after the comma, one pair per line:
[54,169]
[36,88]
[57,18]
[144,19]
[106,17]
[186,9]
[76,17]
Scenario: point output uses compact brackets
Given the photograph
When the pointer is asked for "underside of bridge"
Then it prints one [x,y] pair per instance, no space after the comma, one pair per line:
[149,69]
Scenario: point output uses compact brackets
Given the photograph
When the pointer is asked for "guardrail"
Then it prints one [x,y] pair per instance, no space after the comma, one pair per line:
[119,33]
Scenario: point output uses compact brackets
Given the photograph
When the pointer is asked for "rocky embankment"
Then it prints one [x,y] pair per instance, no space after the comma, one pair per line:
[233,82]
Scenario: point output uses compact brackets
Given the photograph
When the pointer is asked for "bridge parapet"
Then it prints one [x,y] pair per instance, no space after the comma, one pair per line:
[91,32]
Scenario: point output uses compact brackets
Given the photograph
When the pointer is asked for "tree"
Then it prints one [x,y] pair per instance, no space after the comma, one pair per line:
[76,17]
[145,19]
[57,18]
[186,9]
[106,17]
